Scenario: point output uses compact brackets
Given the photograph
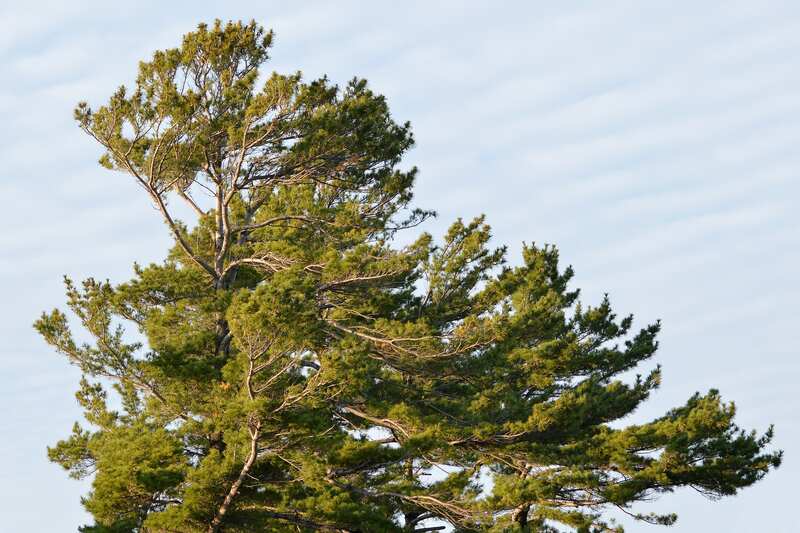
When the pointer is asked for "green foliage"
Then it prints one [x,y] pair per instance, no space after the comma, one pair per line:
[298,371]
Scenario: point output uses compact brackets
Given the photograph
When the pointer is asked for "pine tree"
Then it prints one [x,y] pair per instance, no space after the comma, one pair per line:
[301,371]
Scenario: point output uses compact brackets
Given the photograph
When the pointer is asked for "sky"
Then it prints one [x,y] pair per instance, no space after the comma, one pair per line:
[655,143]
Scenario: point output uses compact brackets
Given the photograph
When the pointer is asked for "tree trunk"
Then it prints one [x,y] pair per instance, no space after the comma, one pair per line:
[215,524]
[520,516]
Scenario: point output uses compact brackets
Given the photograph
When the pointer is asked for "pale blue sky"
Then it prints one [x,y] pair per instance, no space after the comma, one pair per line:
[654,142]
